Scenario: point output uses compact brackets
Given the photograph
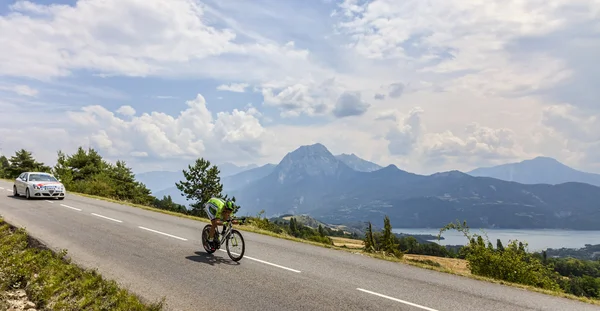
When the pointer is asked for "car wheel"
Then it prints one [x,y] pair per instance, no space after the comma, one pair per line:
[15,193]
[27,195]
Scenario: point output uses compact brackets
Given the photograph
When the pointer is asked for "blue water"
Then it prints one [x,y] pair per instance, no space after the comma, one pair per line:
[537,239]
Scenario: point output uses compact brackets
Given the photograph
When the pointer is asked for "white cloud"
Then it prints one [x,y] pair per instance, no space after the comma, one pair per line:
[404,133]
[126,111]
[191,134]
[468,39]
[127,37]
[20,89]
[233,87]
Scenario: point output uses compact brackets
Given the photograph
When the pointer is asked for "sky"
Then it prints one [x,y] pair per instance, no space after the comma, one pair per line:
[426,85]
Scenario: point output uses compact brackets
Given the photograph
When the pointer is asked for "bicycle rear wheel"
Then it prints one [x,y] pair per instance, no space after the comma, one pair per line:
[235,239]
[205,234]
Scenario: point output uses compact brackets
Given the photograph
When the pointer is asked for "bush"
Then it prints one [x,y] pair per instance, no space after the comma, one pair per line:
[512,264]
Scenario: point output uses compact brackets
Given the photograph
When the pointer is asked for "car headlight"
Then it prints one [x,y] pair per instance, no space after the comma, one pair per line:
[37,187]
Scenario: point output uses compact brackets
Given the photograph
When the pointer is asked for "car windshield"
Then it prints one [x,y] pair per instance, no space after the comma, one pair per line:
[41,177]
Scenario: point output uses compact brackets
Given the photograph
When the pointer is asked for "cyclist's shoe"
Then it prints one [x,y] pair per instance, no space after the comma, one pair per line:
[212,245]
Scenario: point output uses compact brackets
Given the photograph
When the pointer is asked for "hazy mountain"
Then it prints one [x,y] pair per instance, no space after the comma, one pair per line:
[358,164]
[540,170]
[159,182]
[310,180]
[244,178]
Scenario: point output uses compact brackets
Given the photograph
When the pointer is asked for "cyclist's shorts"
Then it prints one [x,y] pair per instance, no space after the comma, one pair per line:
[211,210]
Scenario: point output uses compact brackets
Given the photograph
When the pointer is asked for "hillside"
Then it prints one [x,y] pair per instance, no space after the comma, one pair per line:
[310,180]
[540,170]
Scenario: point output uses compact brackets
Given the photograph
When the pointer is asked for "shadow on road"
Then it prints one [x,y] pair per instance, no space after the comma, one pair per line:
[24,198]
[210,259]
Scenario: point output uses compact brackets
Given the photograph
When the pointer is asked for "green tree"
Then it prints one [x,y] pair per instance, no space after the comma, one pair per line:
[201,183]
[370,245]
[388,243]
[4,166]
[321,231]
[499,245]
[23,161]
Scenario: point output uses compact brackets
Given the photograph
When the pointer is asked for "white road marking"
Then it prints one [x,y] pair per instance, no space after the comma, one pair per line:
[115,220]
[170,235]
[396,299]
[1,187]
[71,207]
[265,262]
[49,201]
[8,190]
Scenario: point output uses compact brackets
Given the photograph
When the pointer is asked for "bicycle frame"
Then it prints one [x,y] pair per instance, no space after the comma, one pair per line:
[229,228]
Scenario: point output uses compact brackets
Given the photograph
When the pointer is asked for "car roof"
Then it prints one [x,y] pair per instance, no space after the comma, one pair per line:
[43,173]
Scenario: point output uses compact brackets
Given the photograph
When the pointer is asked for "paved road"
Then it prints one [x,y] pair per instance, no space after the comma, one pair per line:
[158,255]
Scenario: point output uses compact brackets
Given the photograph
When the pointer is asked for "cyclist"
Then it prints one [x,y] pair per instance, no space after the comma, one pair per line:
[217,210]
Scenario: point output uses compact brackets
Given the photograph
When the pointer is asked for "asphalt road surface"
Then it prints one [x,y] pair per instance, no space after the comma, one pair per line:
[157,255]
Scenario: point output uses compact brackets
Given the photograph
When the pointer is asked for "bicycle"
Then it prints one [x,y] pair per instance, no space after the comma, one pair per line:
[228,236]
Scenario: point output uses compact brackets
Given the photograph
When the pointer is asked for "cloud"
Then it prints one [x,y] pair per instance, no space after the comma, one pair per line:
[479,144]
[573,123]
[309,97]
[350,104]
[20,89]
[126,111]
[233,87]
[475,56]
[396,90]
[379,96]
[405,133]
[130,38]
[193,133]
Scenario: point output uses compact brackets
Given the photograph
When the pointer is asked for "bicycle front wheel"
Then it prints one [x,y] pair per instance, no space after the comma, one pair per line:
[236,241]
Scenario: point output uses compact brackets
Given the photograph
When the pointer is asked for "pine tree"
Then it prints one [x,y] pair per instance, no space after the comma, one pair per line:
[499,245]
[23,161]
[201,183]
[321,231]
[389,240]
[4,165]
[370,245]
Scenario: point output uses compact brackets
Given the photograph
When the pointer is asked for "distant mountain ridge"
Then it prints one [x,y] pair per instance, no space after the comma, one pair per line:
[310,180]
[159,181]
[539,170]
[358,164]
[247,176]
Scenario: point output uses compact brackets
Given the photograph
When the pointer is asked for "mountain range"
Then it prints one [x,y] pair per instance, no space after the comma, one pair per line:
[540,170]
[162,184]
[346,189]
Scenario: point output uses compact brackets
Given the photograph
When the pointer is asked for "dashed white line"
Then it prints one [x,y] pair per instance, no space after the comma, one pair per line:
[8,190]
[397,300]
[170,235]
[2,188]
[49,201]
[266,262]
[71,207]
[115,220]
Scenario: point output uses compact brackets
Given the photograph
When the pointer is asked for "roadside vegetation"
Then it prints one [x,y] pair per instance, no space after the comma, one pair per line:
[86,172]
[52,282]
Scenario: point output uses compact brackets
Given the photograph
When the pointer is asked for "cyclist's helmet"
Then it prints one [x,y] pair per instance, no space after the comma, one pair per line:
[229,205]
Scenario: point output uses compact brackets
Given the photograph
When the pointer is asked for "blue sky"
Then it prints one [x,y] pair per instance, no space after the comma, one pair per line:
[428,86]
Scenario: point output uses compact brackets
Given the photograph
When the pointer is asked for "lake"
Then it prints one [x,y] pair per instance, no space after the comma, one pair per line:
[537,239]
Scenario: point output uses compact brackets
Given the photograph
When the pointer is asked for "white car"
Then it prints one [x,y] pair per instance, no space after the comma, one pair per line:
[38,185]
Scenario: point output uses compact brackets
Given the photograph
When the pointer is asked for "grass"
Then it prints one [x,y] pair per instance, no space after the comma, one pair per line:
[52,282]
[452,266]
